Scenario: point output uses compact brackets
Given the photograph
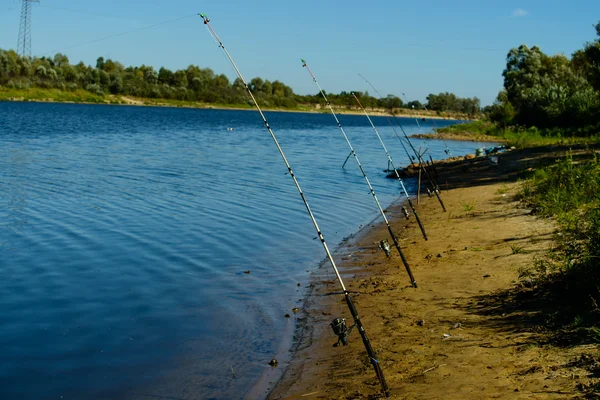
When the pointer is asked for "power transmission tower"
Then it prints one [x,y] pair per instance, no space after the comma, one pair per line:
[24,43]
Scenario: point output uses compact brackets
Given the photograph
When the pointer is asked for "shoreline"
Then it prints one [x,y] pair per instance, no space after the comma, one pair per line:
[304,331]
[129,101]
[460,350]
[460,137]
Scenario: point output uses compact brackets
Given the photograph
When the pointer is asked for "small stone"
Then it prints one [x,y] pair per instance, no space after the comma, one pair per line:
[295,310]
[487,276]
[247,271]
[421,322]
[273,363]
[456,325]
[287,315]
[439,255]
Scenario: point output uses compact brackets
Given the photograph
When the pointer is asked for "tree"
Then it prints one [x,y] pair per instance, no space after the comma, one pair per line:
[100,63]
[165,76]
[416,104]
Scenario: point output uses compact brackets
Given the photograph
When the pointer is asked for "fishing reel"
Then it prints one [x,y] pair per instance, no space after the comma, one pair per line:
[429,192]
[405,212]
[341,331]
[205,18]
[385,246]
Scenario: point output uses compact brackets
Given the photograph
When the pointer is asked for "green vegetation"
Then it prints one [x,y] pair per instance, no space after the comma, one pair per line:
[468,206]
[516,249]
[568,279]
[449,102]
[552,93]
[519,136]
[39,94]
[55,78]
[546,99]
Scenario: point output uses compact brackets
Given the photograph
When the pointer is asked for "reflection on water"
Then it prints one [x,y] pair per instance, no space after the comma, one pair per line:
[125,233]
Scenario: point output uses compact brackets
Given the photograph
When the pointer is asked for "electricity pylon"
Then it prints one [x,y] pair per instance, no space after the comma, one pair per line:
[24,43]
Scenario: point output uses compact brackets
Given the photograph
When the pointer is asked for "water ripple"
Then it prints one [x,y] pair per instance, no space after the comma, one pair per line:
[125,233]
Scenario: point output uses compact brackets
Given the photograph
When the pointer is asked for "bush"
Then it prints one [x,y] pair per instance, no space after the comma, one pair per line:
[95,89]
[570,192]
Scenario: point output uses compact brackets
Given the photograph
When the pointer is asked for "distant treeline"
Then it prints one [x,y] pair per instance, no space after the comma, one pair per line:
[190,84]
[551,92]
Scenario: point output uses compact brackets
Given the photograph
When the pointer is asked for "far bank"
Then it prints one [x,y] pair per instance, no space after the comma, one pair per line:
[84,97]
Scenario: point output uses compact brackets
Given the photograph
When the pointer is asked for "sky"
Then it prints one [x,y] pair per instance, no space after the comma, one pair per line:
[410,47]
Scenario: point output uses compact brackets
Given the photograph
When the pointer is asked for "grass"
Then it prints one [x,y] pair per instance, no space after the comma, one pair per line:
[568,277]
[83,96]
[39,94]
[519,137]
[516,249]
[468,206]
[503,189]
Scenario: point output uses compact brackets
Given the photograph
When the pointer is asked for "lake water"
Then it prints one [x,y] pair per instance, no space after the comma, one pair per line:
[125,233]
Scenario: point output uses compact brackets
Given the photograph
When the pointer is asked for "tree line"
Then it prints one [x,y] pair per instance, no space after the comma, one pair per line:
[551,92]
[191,84]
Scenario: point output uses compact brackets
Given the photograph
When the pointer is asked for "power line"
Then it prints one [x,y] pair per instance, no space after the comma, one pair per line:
[90,13]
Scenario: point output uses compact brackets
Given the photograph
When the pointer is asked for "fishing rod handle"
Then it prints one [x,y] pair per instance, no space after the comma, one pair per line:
[418,219]
[413,281]
[367,343]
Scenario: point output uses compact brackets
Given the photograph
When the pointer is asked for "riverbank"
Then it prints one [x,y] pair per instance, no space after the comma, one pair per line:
[84,97]
[463,136]
[459,335]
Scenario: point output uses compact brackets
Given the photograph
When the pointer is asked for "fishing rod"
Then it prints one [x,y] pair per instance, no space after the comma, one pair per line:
[436,181]
[422,165]
[426,146]
[435,127]
[437,177]
[338,324]
[391,162]
[392,234]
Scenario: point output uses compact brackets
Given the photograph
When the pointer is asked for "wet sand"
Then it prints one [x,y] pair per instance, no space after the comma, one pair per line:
[454,337]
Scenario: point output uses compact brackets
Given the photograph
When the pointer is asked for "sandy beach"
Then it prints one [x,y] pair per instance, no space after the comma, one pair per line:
[459,335]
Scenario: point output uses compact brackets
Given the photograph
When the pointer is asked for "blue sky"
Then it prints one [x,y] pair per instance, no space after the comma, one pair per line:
[413,47]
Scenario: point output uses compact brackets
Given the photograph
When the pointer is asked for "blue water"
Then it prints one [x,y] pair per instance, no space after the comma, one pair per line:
[125,233]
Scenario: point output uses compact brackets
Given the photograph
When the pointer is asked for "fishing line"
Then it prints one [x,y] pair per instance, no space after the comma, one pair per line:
[353,153]
[434,182]
[422,165]
[425,140]
[87,12]
[339,322]
[389,157]
[121,34]
[447,150]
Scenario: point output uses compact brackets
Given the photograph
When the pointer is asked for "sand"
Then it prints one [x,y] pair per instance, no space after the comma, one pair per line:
[455,337]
